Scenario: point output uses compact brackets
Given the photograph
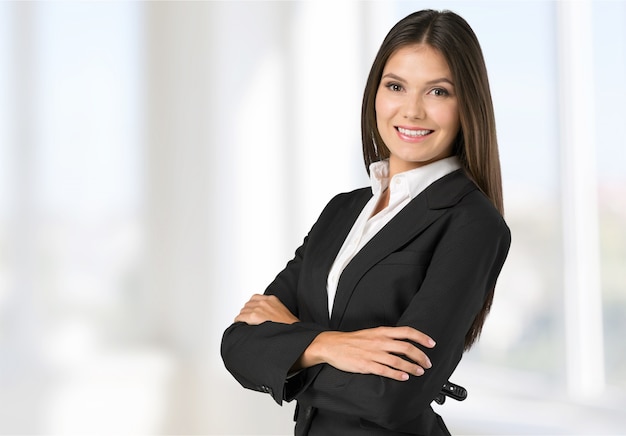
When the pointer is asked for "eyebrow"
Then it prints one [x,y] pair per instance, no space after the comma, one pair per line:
[430,82]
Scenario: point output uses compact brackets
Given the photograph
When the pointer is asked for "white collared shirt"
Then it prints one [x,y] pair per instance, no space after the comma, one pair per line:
[403,187]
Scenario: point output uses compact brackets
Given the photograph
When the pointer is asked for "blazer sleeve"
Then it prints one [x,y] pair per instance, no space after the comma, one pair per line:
[464,267]
[260,356]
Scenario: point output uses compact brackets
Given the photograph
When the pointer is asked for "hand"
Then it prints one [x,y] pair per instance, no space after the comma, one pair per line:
[261,308]
[372,351]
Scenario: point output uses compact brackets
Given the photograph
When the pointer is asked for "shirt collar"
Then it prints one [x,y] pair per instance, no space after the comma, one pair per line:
[411,182]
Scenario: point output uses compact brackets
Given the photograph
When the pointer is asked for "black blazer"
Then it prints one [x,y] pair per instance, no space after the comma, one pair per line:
[429,268]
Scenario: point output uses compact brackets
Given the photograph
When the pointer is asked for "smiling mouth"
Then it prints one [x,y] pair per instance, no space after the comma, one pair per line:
[414,133]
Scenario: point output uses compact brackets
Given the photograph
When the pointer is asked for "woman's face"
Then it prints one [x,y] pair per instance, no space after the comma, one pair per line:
[416,108]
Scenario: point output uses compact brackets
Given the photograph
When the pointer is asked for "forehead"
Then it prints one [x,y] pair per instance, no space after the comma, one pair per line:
[418,59]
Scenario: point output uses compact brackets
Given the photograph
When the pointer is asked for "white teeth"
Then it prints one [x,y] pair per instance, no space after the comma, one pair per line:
[414,133]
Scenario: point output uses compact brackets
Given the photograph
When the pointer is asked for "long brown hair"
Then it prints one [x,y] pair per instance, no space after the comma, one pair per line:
[476,144]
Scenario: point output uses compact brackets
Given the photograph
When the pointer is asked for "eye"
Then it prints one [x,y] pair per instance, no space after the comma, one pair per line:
[440,92]
[395,87]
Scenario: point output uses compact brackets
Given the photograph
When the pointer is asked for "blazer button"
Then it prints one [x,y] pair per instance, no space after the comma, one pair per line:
[266,389]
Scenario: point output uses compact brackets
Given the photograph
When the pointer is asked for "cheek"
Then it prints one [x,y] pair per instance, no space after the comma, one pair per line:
[455,123]
[379,115]
[448,117]
[384,107]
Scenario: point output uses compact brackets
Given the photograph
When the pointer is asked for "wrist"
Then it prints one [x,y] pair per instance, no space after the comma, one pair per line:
[315,352]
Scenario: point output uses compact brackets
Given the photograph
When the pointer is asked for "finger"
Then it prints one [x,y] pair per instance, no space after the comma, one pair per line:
[418,337]
[403,348]
[416,356]
[406,332]
[250,318]
[264,297]
[249,314]
[389,372]
[265,302]
[257,298]
[399,364]
[243,316]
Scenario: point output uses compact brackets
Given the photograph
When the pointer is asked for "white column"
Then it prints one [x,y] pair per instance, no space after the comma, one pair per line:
[176,296]
[216,208]
[329,78]
[583,298]
[178,176]
[23,151]
[23,383]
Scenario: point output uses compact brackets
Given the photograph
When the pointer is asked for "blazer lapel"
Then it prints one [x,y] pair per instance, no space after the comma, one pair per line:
[327,247]
[422,211]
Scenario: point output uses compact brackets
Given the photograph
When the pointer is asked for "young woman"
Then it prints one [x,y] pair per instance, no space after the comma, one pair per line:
[393,283]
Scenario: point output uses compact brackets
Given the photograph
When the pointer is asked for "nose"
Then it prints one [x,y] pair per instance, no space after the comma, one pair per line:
[414,108]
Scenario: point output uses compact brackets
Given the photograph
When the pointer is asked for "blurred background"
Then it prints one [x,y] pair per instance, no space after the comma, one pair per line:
[160,162]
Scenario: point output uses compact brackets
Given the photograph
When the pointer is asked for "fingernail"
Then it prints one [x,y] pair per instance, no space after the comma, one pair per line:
[432,343]
[429,364]
[405,376]
[419,370]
